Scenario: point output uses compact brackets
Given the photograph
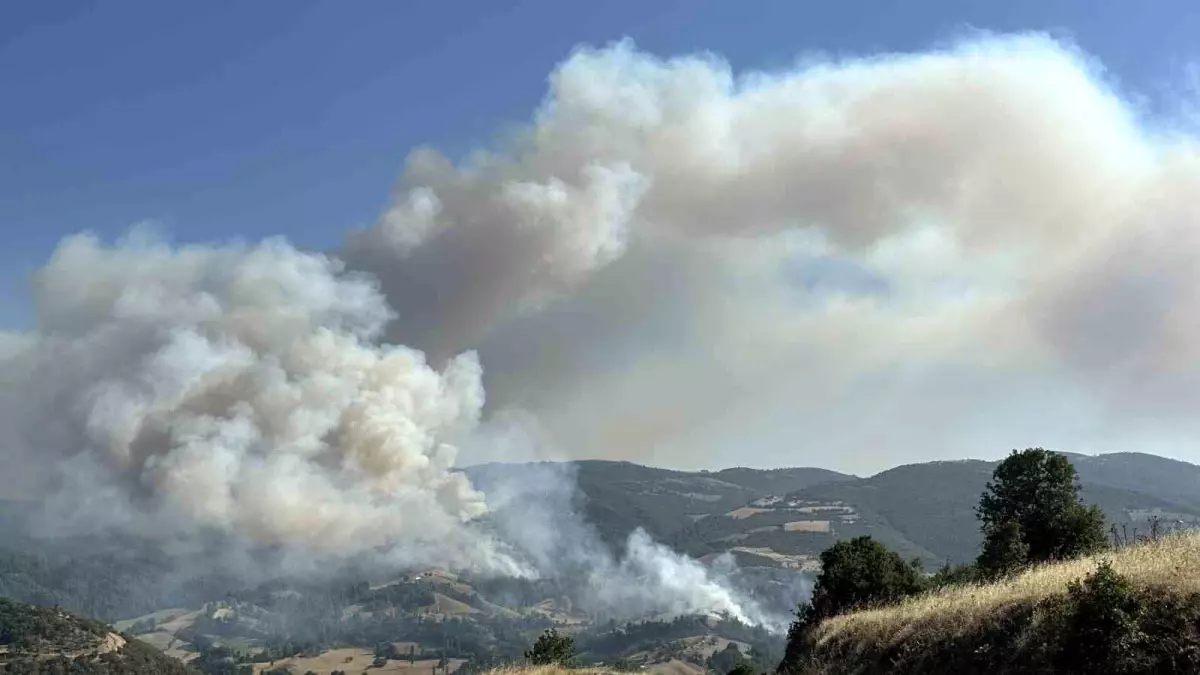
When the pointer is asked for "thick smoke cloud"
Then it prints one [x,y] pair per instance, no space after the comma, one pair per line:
[239,390]
[852,264]
[855,256]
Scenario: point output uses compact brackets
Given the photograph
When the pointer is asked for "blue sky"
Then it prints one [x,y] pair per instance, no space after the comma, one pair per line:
[248,119]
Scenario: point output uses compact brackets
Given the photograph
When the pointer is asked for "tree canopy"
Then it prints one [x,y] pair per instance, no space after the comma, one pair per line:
[854,574]
[1031,513]
[551,648]
[862,572]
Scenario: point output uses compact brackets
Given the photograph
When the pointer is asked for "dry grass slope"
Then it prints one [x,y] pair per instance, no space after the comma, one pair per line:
[1171,564]
[549,670]
[971,617]
[671,668]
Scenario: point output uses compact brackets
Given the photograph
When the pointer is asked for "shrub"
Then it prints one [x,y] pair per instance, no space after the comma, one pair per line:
[552,649]
[1100,632]
[854,574]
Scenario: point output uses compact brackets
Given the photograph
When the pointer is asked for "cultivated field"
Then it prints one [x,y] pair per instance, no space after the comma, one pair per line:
[353,661]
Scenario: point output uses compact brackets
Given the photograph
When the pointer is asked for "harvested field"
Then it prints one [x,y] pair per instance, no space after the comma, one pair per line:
[353,660]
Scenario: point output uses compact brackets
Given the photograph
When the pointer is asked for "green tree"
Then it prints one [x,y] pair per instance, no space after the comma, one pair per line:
[861,572]
[954,575]
[1038,491]
[552,649]
[857,573]
[1004,550]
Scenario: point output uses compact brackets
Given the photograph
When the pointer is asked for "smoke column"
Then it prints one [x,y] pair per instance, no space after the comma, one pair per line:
[869,251]
[860,253]
[239,390]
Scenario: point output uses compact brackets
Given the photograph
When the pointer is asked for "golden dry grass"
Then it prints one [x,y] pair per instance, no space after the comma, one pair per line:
[1171,564]
[807,526]
[672,667]
[745,512]
[547,670]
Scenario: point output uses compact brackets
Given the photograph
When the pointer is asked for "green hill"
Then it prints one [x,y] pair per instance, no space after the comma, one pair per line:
[42,640]
[927,510]
[617,497]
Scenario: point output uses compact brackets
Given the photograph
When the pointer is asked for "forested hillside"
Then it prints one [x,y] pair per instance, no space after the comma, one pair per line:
[927,510]
[37,640]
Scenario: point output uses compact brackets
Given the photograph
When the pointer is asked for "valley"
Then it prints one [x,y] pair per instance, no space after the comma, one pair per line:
[766,528]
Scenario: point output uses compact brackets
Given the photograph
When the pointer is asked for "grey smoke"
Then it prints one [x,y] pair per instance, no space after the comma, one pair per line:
[239,389]
[534,509]
[1023,225]
[645,270]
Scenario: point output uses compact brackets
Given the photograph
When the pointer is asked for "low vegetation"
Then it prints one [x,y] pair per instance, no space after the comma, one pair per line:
[1135,610]
[552,649]
[1045,594]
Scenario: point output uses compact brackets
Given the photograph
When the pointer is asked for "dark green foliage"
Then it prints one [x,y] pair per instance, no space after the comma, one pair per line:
[1032,505]
[955,575]
[854,575]
[899,509]
[1101,626]
[742,669]
[387,650]
[42,640]
[218,660]
[1101,633]
[28,628]
[861,573]
[551,648]
[1004,550]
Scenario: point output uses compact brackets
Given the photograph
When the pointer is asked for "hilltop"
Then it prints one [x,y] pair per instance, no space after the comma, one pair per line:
[1022,624]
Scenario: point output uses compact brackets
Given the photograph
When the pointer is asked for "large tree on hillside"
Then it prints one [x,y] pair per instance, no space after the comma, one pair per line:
[854,574]
[1031,513]
[551,648]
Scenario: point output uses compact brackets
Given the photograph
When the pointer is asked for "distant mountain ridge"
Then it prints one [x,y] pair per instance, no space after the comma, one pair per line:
[617,497]
[778,518]
[785,517]
[774,523]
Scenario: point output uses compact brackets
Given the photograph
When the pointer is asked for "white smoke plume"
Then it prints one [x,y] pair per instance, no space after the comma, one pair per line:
[534,511]
[882,259]
[854,256]
[239,390]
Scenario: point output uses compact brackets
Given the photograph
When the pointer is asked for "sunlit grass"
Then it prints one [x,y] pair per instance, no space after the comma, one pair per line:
[1171,564]
[549,670]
